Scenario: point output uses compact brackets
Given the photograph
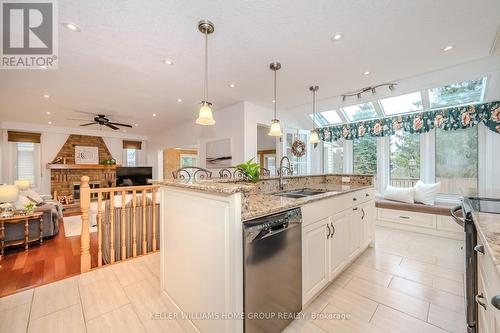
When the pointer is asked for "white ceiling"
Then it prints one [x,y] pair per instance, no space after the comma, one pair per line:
[114,65]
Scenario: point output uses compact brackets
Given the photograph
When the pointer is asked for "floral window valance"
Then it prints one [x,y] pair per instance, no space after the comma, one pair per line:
[420,122]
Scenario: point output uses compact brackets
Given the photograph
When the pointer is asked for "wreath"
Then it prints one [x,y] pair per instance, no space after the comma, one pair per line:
[298,148]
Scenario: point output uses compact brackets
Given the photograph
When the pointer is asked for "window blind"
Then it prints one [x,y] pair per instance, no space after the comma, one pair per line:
[132,144]
[14,136]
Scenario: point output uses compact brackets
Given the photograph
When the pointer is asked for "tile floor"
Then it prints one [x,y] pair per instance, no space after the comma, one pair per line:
[408,283]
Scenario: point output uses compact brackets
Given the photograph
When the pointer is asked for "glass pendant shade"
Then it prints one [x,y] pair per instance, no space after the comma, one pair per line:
[275,128]
[205,115]
[314,138]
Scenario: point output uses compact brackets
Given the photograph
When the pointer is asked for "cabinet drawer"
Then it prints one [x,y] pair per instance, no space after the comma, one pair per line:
[447,223]
[408,218]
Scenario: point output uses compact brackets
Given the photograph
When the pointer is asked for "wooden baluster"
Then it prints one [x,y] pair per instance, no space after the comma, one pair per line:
[112,226]
[85,237]
[144,239]
[134,224]
[99,229]
[153,196]
[124,243]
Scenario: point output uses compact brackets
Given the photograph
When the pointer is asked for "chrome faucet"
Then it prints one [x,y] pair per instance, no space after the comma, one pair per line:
[282,170]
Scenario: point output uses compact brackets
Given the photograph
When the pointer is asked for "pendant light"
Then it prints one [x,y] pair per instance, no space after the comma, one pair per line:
[314,138]
[275,123]
[205,115]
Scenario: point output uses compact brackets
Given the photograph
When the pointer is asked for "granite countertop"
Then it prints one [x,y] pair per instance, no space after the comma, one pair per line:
[262,204]
[212,186]
[488,230]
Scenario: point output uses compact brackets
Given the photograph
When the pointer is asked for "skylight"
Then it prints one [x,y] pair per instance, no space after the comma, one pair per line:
[457,93]
[327,118]
[360,111]
[402,104]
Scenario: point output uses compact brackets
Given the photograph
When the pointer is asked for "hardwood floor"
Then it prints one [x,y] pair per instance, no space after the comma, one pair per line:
[56,259]
[408,283]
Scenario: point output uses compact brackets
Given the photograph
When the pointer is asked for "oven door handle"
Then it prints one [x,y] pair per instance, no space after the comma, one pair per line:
[460,221]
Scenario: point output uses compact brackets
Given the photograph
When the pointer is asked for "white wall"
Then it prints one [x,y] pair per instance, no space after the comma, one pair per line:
[52,139]
[237,122]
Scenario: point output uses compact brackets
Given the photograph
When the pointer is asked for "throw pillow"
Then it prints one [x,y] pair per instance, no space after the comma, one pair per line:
[426,193]
[401,194]
[33,195]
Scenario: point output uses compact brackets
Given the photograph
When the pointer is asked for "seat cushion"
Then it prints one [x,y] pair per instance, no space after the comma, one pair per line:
[415,207]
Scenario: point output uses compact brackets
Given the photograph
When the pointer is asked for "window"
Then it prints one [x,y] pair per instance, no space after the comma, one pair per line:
[333,157]
[456,160]
[405,159]
[365,155]
[402,104]
[131,157]
[360,112]
[327,118]
[188,160]
[26,161]
[300,165]
[458,93]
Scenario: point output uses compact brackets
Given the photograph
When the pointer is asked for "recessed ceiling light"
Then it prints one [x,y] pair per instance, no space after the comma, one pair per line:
[124,131]
[50,123]
[231,85]
[43,67]
[448,48]
[136,125]
[71,26]
[168,61]
[179,100]
[366,73]
[46,96]
[338,36]
[48,113]
[154,114]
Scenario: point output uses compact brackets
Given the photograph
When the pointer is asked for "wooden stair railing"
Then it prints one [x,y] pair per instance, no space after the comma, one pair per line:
[109,194]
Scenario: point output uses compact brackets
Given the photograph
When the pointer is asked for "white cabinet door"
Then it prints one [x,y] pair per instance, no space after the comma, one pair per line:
[339,242]
[367,222]
[354,229]
[315,258]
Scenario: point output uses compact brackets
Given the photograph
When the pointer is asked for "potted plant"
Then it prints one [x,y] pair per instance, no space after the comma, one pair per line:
[29,208]
[250,170]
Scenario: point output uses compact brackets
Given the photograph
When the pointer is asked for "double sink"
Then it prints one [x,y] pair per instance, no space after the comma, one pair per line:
[305,192]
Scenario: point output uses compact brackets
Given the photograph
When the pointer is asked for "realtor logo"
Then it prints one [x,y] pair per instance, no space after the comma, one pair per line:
[29,35]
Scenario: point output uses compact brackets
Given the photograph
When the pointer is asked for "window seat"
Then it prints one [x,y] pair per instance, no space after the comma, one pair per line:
[416,207]
[432,220]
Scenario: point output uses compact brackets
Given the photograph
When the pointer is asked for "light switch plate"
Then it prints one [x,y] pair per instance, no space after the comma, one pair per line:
[346,179]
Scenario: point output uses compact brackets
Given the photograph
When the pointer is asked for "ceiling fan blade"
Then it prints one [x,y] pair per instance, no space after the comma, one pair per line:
[118,124]
[88,124]
[77,119]
[85,112]
[111,126]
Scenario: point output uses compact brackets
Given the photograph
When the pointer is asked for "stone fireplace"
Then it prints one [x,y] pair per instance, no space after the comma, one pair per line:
[65,177]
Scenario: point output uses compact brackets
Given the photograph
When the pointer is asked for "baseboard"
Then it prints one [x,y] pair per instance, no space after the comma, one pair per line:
[427,231]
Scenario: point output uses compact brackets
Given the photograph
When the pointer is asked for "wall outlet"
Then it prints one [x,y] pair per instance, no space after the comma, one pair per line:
[346,179]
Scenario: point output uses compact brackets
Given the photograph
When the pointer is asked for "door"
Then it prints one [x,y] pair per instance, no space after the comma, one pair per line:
[315,258]
[339,241]
[367,222]
[355,229]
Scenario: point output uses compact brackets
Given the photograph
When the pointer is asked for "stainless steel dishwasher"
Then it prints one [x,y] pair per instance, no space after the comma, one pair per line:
[272,271]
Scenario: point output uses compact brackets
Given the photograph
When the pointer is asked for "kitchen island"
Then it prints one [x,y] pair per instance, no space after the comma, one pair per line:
[202,244]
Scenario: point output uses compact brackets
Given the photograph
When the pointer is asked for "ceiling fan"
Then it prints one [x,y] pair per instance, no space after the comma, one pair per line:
[100,119]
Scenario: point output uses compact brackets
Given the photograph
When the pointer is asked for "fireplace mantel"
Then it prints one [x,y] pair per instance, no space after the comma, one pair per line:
[81,166]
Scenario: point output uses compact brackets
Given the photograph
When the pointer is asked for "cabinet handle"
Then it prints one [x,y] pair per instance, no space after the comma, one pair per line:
[333,229]
[367,195]
[354,199]
[479,248]
[355,208]
[478,300]
[404,217]
[329,231]
[363,211]
[495,301]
